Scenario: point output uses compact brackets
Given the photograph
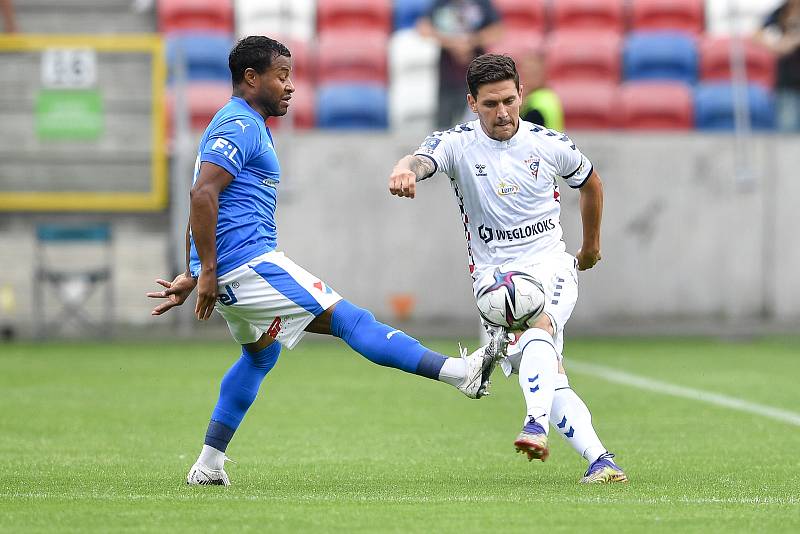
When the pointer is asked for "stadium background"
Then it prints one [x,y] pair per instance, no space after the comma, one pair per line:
[103,102]
[698,231]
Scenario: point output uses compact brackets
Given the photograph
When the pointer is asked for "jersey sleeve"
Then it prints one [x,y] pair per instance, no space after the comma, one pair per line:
[438,148]
[231,144]
[570,163]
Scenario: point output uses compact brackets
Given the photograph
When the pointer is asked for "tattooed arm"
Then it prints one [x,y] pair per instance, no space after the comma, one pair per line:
[407,172]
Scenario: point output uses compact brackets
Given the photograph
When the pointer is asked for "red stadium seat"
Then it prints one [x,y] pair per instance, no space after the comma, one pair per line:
[588,105]
[204,100]
[176,15]
[607,15]
[352,56]
[518,43]
[355,15]
[301,109]
[522,14]
[682,15]
[715,61]
[302,60]
[583,55]
[656,106]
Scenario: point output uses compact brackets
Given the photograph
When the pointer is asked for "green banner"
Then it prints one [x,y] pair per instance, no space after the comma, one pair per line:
[69,114]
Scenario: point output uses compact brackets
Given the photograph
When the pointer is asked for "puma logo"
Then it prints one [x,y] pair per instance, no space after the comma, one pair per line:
[390,334]
[242,124]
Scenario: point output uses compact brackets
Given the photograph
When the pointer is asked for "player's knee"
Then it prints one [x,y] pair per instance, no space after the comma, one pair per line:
[264,358]
[543,322]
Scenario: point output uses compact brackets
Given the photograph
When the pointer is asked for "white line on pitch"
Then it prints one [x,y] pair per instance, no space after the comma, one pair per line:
[620,377]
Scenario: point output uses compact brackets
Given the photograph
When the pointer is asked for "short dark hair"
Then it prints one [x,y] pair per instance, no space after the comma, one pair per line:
[254,52]
[490,68]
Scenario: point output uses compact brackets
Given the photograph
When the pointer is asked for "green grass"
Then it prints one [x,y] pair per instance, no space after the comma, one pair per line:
[98,438]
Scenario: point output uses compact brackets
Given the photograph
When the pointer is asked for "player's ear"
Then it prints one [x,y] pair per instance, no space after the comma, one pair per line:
[250,76]
[473,104]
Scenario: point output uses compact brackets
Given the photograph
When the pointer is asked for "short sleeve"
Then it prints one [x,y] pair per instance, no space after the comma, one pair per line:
[438,148]
[570,163]
[231,144]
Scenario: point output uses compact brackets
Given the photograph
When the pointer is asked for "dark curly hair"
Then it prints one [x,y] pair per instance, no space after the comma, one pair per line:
[254,52]
[490,68]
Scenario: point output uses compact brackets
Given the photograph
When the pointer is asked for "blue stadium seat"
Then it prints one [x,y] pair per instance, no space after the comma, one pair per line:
[406,12]
[205,53]
[713,107]
[352,106]
[660,56]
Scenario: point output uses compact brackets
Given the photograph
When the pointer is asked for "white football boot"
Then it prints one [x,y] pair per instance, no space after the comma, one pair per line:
[480,365]
[202,475]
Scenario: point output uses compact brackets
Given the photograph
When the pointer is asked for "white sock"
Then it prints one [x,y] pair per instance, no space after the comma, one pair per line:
[453,371]
[211,457]
[538,368]
[572,419]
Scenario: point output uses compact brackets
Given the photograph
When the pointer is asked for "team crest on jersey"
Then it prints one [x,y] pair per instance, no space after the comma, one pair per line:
[533,164]
[504,188]
[480,169]
[430,144]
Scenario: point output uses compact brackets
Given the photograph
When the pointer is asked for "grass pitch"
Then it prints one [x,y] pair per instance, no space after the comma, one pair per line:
[98,438]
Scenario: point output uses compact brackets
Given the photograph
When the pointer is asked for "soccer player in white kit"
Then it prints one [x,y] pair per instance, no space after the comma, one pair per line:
[504,172]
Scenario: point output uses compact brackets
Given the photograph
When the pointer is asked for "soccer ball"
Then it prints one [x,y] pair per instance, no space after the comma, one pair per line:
[511,299]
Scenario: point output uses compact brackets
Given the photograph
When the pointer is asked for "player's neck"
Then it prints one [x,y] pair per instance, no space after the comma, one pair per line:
[252,103]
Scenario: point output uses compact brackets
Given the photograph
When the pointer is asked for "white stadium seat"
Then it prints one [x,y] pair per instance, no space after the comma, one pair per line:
[409,52]
[743,17]
[293,19]
[414,77]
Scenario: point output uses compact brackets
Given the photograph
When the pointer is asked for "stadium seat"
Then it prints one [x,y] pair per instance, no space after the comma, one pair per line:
[680,15]
[205,55]
[517,43]
[291,20]
[412,103]
[660,56]
[715,61]
[303,68]
[655,106]
[522,14]
[411,54]
[352,106]
[714,107]
[406,12]
[355,15]
[352,56]
[301,109]
[737,17]
[588,104]
[177,15]
[583,55]
[594,15]
[203,99]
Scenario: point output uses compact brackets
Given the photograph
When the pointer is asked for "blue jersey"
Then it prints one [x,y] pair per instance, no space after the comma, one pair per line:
[238,141]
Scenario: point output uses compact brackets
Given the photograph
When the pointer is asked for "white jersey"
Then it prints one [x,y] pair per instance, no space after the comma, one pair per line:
[508,190]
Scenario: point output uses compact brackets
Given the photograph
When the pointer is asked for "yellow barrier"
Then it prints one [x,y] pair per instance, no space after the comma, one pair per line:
[153,200]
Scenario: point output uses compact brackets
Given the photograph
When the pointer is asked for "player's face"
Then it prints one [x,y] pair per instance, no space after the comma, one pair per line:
[275,87]
[497,106]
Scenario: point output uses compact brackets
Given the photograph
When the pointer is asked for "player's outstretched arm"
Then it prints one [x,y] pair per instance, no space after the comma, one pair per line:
[407,172]
[591,216]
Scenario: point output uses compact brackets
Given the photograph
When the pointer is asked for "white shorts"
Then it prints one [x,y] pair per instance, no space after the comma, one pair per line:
[272,294]
[559,277]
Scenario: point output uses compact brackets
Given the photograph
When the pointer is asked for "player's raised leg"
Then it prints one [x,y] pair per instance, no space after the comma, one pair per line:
[390,347]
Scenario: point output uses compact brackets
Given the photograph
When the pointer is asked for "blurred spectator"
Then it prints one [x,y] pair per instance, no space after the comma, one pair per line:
[540,105]
[781,32]
[463,28]
[8,16]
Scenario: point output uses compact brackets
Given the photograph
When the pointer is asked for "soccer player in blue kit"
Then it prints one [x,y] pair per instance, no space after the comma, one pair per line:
[267,300]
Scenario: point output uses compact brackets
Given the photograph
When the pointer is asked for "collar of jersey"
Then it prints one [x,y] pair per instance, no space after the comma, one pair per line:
[242,102]
[494,143]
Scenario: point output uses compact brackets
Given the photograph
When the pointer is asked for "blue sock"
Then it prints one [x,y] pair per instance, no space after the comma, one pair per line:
[237,392]
[383,344]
